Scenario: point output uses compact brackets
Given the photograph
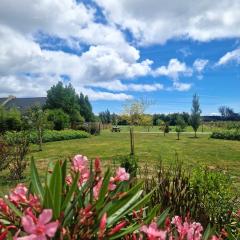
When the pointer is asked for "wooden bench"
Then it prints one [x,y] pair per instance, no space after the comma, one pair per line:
[116,129]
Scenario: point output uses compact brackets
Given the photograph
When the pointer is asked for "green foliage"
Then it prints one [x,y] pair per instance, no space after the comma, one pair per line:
[204,194]
[195,118]
[51,135]
[5,153]
[129,162]
[180,126]
[227,135]
[216,194]
[10,120]
[59,119]
[105,117]
[19,144]
[86,108]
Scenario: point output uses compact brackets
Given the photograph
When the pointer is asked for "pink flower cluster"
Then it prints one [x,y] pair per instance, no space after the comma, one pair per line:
[185,230]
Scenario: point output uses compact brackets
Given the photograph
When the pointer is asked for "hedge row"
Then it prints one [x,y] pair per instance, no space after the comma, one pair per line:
[53,135]
[227,134]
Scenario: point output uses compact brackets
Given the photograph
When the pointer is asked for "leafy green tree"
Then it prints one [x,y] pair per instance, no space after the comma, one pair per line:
[39,122]
[86,108]
[195,118]
[65,98]
[180,126]
[59,118]
[105,117]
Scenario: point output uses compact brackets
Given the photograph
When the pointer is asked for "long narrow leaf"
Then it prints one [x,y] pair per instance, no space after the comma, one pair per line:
[72,189]
[13,207]
[35,180]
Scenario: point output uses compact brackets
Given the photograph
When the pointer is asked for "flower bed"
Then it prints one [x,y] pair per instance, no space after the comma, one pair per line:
[87,204]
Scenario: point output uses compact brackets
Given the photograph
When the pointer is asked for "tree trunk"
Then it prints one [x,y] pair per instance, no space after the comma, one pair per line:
[40,139]
[195,134]
[178,135]
[132,150]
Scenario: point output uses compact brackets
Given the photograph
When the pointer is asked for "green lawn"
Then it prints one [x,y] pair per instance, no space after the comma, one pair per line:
[150,147]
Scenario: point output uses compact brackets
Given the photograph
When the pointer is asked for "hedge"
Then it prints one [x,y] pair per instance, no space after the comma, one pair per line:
[227,134]
[53,135]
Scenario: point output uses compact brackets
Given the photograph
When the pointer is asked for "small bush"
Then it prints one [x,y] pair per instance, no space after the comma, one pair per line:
[204,194]
[19,147]
[227,135]
[52,135]
[5,152]
[58,118]
[129,162]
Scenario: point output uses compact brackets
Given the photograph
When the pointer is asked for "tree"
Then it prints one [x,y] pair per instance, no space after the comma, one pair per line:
[164,126]
[59,118]
[86,108]
[195,118]
[228,113]
[39,121]
[180,126]
[147,121]
[65,98]
[105,117]
[134,111]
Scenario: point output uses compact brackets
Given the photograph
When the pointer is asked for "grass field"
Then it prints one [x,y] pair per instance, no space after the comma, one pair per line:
[150,148]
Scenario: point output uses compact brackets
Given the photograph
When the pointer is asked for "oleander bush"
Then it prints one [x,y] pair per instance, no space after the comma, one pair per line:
[86,203]
[227,135]
[51,135]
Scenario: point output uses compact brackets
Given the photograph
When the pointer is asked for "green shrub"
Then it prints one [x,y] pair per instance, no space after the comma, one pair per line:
[204,194]
[227,135]
[216,194]
[59,119]
[10,120]
[129,162]
[52,135]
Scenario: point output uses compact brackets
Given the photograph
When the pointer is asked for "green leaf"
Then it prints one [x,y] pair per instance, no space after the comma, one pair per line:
[48,199]
[56,189]
[124,209]
[64,172]
[207,232]
[152,214]
[121,202]
[35,180]
[126,231]
[162,217]
[104,190]
[13,208]
[72,189]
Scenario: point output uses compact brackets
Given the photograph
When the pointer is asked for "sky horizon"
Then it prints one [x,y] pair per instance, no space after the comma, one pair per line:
[117,51]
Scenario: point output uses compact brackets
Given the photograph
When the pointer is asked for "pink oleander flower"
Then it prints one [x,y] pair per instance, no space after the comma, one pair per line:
[68,180]
[3,207]
[97,165]
[79,163]
[102,226]
[19,194]
[97,188]
[190,230]
[39,228]
[153,233]
[122,175]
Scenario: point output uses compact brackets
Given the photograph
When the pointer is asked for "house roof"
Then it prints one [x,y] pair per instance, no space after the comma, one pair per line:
[24,103]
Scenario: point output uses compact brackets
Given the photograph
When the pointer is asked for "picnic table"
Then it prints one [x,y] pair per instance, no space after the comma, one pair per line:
[116,129]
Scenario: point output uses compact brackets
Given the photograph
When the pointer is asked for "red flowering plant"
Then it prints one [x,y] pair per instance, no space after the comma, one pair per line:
[85,204]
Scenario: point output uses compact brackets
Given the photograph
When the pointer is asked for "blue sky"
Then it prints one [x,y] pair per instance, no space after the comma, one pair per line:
[118,51]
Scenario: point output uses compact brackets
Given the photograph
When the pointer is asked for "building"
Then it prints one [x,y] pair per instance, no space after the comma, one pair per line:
[22,104]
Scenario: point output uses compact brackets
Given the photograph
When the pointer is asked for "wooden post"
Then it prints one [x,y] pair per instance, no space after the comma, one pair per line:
[132,141]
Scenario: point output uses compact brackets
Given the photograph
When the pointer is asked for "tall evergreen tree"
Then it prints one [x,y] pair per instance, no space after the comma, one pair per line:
[195,118]
[86,108]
